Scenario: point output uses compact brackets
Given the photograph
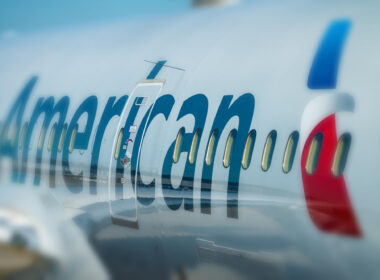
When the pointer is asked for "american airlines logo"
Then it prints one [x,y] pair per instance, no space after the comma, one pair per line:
[327,195]
[322,200]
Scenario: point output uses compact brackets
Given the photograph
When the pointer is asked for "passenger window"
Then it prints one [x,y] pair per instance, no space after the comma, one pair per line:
[228,151]
[72,139]
[178,145]
[118,144]
[313,154]
[42,137]
[248,149]
[211,148]
[12,133]
[51,137]
[141,101]
[194,147]
[290,152]
[4,136]
[341,153]
[23,135]
[268,150]
[62,138]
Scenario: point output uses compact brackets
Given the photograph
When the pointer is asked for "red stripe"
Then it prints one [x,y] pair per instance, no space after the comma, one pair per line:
[326,196]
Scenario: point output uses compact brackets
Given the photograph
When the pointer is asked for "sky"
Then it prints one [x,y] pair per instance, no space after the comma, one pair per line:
[26,16]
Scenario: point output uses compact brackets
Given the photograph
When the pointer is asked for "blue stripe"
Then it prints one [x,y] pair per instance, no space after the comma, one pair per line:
[152,75]
[324,70]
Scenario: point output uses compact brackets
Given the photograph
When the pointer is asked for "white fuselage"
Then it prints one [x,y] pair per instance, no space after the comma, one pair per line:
[261,225]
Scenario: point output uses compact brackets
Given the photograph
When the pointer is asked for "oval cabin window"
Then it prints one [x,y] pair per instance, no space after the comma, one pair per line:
[178,145]
[41,138]
[23,135]
[13,133]
[194,147]
[341,153]
[72,139]
[266,160]
[118,143]
[313,154]
[51,137]
[62,138]
[290,152]
[248,149]
[211,148]
[228,151]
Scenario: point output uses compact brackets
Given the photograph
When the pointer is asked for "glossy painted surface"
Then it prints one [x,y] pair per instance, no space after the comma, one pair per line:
[237,68]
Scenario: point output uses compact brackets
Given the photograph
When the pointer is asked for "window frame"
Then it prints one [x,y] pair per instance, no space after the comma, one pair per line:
[72,138]
[178,145]
[51,137]
[311,164]
[118,143]
[247,154]
[229,148]
[22,138]
[194,146]
[62,137]
[339,164]
[41,138]
[289,155]
[211,149]
[267,157]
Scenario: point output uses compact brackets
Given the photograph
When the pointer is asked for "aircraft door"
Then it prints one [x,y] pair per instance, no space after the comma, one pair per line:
[121,179]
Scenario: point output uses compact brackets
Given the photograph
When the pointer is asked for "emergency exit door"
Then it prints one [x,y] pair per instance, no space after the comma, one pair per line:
[121,186]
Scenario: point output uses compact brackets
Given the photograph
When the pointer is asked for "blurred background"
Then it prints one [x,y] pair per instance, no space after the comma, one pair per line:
[20,17]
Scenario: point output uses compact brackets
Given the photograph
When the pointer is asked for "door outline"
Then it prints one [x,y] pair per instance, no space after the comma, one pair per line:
[117,219]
